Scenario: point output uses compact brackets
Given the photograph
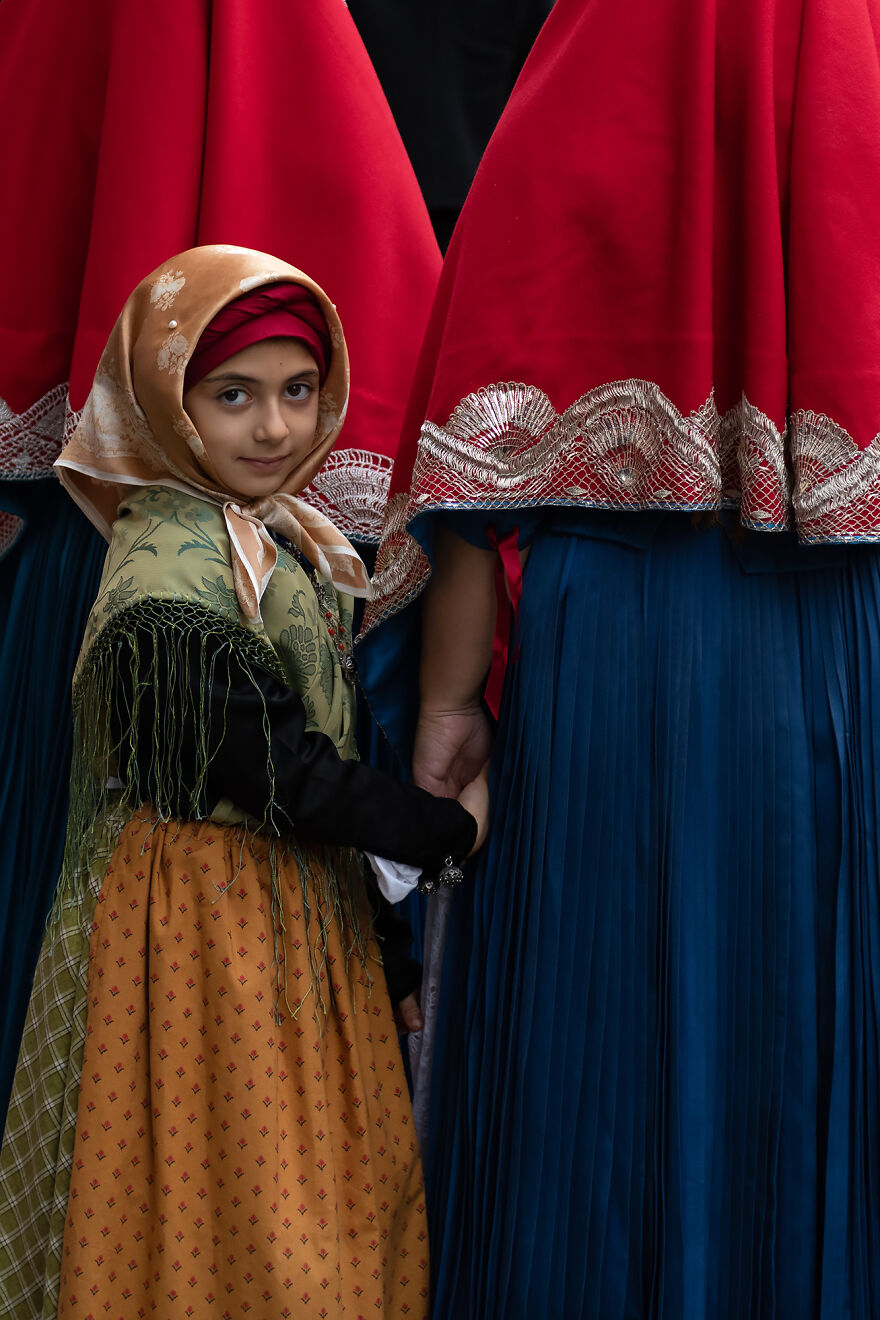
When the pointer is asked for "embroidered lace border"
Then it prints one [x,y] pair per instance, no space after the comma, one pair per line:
[626,446]
[351,488]
[31,441]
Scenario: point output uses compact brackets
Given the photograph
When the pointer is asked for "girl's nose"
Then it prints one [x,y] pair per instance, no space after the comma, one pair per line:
[272,426]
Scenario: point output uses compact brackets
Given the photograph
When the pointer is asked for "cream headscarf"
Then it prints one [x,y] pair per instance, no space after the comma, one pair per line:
[134,430]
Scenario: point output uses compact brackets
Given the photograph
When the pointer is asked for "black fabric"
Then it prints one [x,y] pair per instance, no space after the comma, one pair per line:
[447,68]
[403,973]
[326,798]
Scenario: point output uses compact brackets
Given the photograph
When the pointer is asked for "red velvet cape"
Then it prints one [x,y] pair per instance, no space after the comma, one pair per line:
[134,131]
[664,288]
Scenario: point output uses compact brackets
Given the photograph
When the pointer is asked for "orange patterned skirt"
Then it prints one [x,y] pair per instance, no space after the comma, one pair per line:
[233,1157]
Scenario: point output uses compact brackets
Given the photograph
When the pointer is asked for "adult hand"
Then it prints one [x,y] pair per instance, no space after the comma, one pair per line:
[474,797]
[451,747]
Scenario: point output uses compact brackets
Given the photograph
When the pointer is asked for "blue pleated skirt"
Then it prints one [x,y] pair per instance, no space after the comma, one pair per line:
[48,582]
[657,1081]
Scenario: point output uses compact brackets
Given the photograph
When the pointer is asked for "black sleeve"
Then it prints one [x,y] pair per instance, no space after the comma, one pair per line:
[327,799]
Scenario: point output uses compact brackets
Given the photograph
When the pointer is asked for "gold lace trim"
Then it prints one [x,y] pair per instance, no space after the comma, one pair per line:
[626,446]
[351,489]
[31,441]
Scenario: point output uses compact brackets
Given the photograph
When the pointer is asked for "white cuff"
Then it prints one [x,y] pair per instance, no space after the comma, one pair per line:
[395,879]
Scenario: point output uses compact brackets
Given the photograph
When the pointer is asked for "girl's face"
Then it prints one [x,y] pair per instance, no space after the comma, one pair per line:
[257,414]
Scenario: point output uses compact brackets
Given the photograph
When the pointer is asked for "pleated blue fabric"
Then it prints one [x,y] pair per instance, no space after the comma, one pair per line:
[375,748]
[656,1087]
[48,582]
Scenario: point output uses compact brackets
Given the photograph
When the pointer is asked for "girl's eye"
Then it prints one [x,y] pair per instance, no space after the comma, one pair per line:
[299,389]
[233,395]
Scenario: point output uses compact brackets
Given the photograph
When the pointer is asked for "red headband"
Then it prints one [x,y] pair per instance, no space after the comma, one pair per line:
[273,311]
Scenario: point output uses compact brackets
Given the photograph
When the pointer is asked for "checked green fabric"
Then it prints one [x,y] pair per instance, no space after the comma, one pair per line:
[40,1127]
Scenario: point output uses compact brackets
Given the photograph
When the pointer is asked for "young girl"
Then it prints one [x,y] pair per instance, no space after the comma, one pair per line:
[210,1114]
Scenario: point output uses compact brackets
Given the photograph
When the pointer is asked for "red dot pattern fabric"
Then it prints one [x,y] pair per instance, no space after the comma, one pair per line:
[234,1157]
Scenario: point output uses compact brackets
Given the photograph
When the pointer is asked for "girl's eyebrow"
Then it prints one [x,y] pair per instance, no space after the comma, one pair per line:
[309,372]
[248,380]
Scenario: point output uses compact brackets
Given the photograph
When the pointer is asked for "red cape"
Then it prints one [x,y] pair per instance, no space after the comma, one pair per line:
[664,288]
[134,131]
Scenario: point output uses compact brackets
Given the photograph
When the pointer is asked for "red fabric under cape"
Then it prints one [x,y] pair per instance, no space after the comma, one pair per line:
[134,131]
[672,250]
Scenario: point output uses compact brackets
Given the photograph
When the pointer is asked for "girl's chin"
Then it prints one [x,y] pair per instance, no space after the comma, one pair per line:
[257,490]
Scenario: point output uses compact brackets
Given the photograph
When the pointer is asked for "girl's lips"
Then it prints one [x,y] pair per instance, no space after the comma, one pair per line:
[265,464]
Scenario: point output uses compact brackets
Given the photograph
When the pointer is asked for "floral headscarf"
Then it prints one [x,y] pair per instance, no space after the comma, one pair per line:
[134,430]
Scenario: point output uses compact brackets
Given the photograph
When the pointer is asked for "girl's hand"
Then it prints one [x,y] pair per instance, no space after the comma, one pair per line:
[451,746]
[474,797]
[408,1015]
